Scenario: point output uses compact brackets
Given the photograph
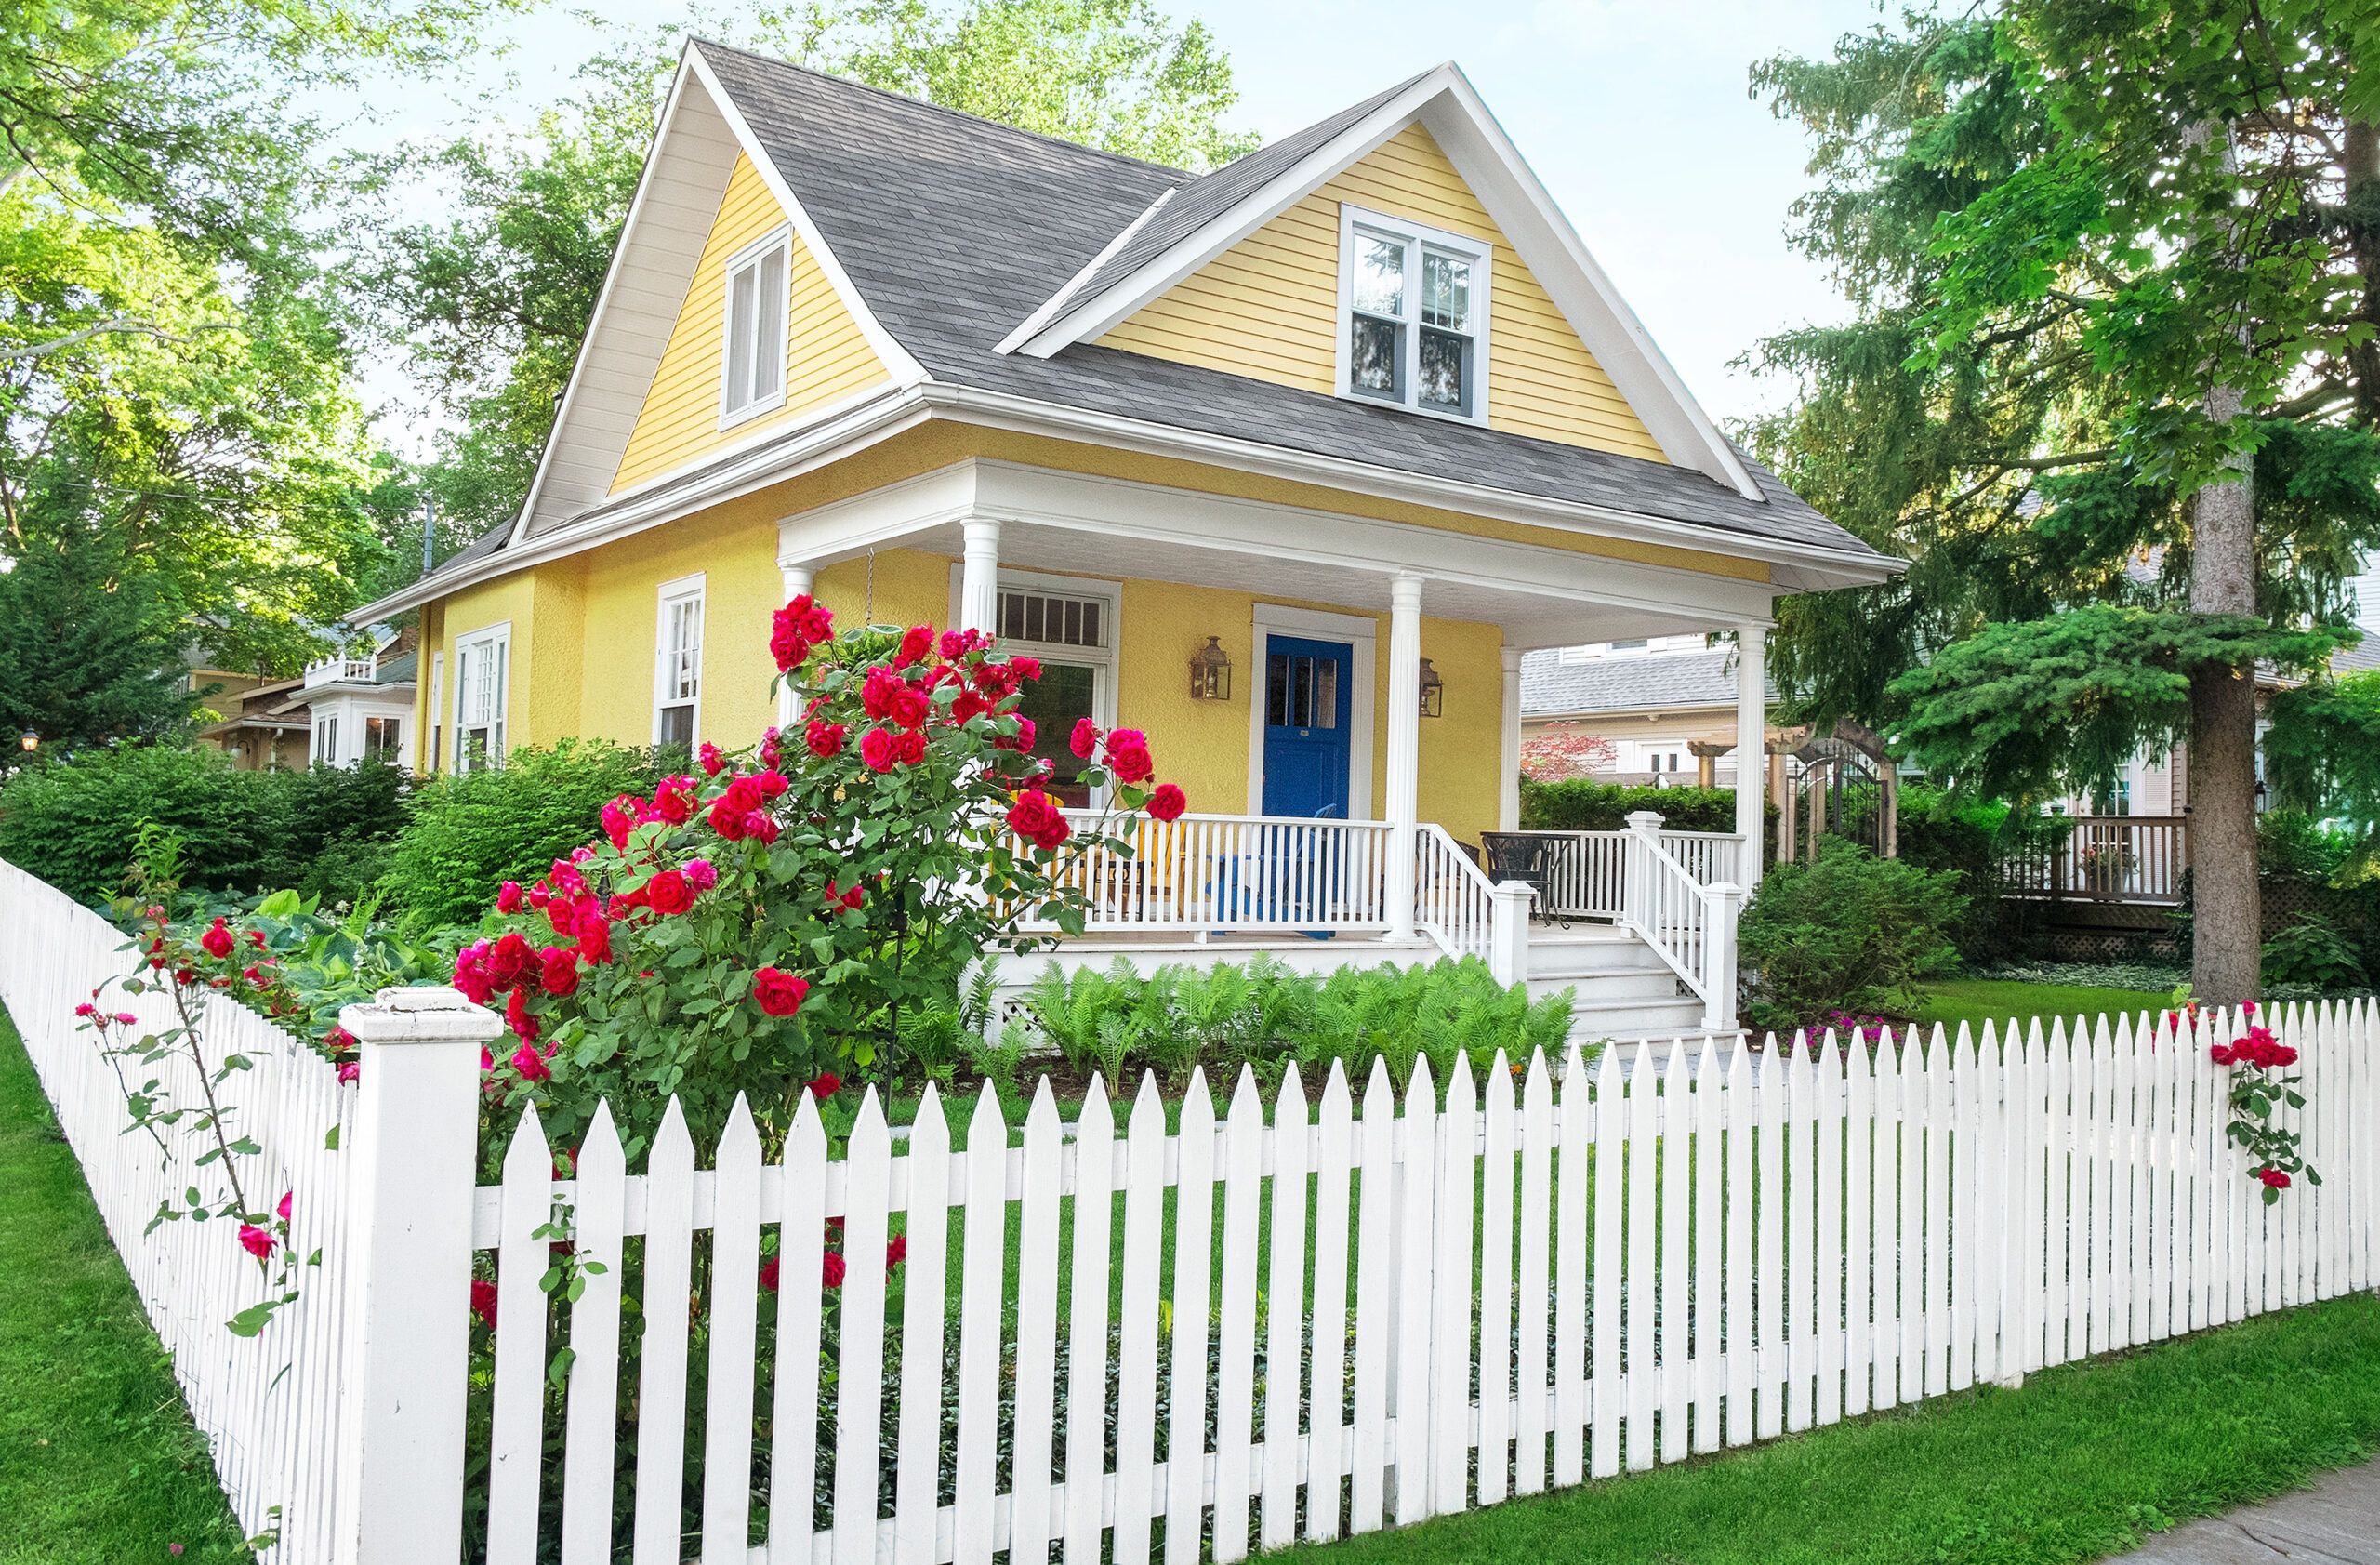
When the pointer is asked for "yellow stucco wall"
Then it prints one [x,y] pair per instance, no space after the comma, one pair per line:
[827,357]
[1269,306]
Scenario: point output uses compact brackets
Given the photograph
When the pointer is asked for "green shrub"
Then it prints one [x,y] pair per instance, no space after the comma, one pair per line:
[1940,831]
[1851,930]
[2291,844]
[1583,804]
[468,835]
[2310,954]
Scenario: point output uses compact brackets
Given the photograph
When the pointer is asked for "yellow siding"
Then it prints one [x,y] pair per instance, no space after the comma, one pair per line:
[1269,306]
[827,357]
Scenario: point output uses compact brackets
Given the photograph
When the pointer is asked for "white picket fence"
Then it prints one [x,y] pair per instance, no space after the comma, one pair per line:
[1516,1289]
[270,1407]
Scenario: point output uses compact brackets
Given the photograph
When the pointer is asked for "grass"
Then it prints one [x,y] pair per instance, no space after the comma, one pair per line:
[99,1462]
[2081,1462]
[1975,1001]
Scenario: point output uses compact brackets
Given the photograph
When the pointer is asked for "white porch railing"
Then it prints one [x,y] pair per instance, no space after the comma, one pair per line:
[338,670]
[1690,922]
[1235,873]
[1585,874]
[1454,902]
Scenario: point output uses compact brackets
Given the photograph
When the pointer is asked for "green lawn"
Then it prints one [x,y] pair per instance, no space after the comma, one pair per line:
[1975,1001]
[2082,1463]
[98,1463]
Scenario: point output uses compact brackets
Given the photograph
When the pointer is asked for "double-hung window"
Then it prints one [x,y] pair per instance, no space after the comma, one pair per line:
[482,677]
[326,740]
[1413,315]
[752,367]
[678,662]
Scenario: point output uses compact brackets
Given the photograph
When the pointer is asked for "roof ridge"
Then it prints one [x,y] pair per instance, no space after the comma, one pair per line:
[1190,175]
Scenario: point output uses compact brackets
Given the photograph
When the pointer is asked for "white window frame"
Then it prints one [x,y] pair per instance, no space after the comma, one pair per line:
[779,242]
[496,641]
[426,743]
[684,590]
[1354,221]
[363,735]
[325,747]
[1104,661]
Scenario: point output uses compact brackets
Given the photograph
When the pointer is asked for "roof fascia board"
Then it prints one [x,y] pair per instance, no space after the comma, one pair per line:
[1059,300]
[1094,315]
[903,366]
[1004,410]
[603,298]
[1596,311]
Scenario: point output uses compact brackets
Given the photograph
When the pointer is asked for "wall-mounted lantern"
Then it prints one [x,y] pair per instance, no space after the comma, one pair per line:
[1211,672]
[29,741]
[1434,691]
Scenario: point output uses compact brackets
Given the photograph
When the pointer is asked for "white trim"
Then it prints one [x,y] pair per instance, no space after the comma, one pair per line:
[889,411]
[779,241]
[1361,632]
[1058,300]
[426,743]
[499,633]
[903,365]
[1417,238]
[684,588]
[1450,109]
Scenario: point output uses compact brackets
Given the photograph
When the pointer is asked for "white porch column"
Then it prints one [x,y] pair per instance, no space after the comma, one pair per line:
[1508,795]
[798,579]
[1752,739]
[979,574]
[1404,747]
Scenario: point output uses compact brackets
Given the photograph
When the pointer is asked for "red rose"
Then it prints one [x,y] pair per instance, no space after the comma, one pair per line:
[877,691]
[668,893]
[674,800]
[787,644]
[911,707]
[558,970]
[255,1240]
[771,783]
[745,794]
[1032,813]
[768,1270]
[484,1301]
[818,624]
[968,705]
[910,748]
[831,1270]
[1053,835]
[778,992]
[1022,741]
[727,820]
[824,1085]
[471,975]
[761,827]
[218,940]
[1084,739]
[1022,668]
[517,1018]
[509,898]
[1167,802]
[916,642]
[826,739]
[896,1250]
[350,1071]
[595,938]
[530,1063]
[1127,755]
[709,758]
[508,960]
[876,749]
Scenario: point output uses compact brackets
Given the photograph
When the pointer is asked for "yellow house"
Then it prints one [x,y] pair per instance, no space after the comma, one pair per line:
[1357,413]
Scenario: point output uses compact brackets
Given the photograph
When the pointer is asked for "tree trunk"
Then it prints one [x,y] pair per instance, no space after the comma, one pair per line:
[2228,931]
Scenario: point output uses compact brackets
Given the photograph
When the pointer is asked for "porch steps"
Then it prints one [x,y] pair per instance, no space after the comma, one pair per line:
[1620,990]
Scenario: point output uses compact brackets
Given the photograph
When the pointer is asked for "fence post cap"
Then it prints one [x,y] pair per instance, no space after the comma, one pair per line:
[421,1013]
[1644,820]
[1725,890]
[1511,890]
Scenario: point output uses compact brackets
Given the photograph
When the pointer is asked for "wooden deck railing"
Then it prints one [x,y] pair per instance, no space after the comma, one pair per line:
[2107,858]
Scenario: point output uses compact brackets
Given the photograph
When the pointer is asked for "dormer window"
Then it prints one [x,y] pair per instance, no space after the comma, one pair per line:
[1412,315]
[752,371]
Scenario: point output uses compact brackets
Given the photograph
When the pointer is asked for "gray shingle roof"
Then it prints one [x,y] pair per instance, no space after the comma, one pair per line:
[1653,682]
[955,229]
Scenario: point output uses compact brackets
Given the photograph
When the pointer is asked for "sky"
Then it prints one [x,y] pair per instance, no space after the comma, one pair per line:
[1635,114]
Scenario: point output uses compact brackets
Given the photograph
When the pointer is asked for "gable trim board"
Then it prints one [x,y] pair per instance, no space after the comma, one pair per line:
[1446,106]
[663,256]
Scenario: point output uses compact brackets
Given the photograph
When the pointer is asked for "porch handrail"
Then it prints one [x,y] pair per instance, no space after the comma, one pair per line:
[1691,925]
[1223,873]
[1454,902]
[1586,873]
[2105,858]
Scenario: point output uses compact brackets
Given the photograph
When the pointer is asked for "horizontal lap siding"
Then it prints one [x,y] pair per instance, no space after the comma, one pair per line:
[826,356]
[1268,307]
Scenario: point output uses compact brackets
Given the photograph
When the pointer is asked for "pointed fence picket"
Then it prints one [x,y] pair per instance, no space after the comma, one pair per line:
[1335,1305]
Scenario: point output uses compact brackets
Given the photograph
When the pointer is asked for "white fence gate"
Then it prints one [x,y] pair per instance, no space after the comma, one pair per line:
[273,1407]
[1336,1310]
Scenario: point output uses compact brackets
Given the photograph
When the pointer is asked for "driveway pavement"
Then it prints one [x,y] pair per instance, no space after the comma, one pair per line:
[2337,1522]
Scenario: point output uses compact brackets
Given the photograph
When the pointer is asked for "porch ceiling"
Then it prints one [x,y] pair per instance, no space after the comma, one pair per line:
[1067,523]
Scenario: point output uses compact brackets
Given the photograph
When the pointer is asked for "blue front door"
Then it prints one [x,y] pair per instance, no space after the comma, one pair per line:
[1309,691]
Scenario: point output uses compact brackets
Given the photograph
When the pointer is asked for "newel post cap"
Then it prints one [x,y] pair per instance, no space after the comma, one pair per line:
[421,1013]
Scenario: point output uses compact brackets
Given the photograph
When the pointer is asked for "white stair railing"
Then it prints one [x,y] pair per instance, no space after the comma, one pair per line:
[1691,924]
[1454,902]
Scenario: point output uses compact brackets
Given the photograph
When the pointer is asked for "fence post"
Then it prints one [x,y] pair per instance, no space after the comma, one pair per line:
[1724,906]
[409,1266]
[1509,906]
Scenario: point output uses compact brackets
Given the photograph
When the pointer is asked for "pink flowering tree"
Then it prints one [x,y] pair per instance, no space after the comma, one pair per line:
[758,926]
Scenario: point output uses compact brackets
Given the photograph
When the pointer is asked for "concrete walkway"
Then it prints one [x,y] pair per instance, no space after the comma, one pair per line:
[2337,1522]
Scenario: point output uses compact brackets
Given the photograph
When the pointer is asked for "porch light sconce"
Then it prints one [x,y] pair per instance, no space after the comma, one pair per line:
[29,741]
[1211,672]
[1434,691]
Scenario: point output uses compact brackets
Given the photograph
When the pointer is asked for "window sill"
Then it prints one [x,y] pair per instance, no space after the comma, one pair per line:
[730,418]
[1476,420]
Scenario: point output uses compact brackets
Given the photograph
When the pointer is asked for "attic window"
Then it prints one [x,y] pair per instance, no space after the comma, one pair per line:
[1412,315]
[752,376]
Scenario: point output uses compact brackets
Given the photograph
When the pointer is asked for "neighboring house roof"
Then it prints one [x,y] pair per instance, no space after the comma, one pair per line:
[944,234]
[1653,682]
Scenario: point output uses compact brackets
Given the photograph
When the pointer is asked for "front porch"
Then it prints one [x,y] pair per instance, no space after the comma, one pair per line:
[1354,768]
